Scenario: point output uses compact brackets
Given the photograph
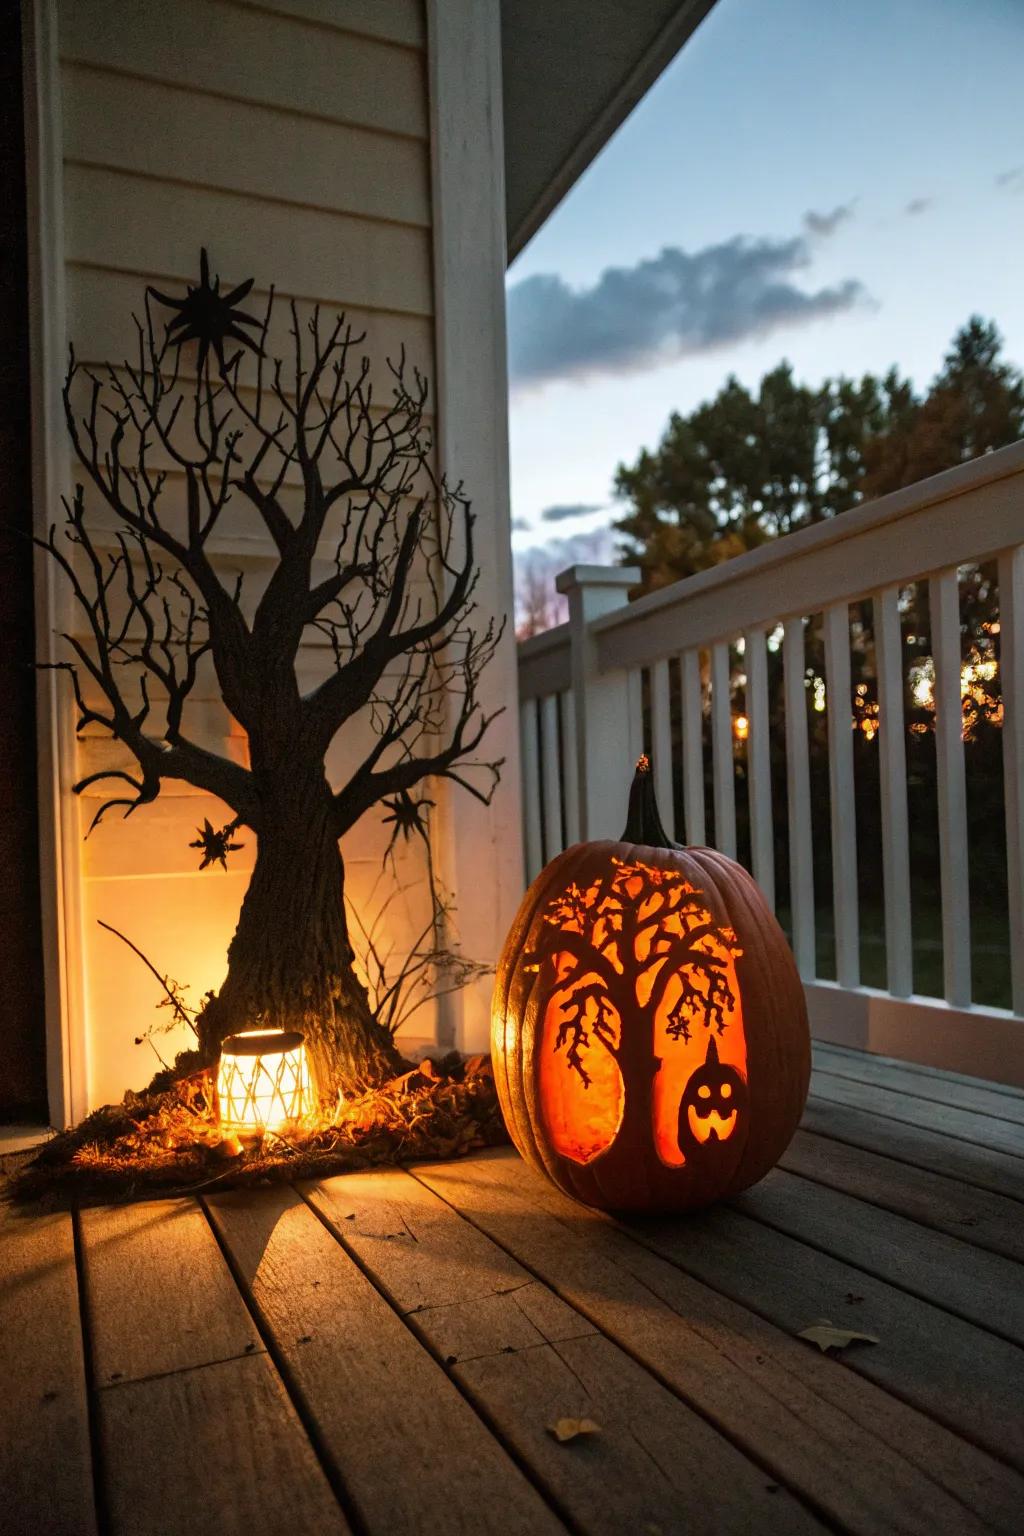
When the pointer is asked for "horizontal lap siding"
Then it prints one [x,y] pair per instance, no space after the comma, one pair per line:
[288,159]
[291,140]
[241,53]
[132,223]
[397,21]
[100,302]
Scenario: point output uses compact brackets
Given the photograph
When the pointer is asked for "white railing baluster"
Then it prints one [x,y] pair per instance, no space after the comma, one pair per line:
[634,722]
[723,776]
[532,842]
[570,778]
[798,793]
[661,744]
[899,966]
[759,764]
[693,749]
[551,787]
[944,605]
[841,793]
[1011,687]
[589,684]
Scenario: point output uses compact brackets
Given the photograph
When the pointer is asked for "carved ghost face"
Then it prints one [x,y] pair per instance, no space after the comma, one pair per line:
[714,1099]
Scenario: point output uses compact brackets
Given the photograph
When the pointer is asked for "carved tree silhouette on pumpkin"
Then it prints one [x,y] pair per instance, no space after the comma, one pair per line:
[611,950]
[372,558]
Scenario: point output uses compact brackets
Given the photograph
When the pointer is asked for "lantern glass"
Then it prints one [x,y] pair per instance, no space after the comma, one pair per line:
[264,1079]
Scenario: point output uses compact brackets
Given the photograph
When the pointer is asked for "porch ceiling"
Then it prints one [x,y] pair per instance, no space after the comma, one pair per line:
[572,73]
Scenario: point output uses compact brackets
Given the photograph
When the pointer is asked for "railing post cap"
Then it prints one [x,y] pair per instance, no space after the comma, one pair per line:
[597,576]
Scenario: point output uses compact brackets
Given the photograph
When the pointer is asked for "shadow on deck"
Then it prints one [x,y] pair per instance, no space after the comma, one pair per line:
[386,1352]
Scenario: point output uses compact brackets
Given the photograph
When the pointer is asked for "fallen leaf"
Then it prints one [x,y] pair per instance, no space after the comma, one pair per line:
[827,1336]
[569,1429]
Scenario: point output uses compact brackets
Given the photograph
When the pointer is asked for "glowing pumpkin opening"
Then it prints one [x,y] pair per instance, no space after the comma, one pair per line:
[700,997]
[638,944]
[582,1106]
[264,1080]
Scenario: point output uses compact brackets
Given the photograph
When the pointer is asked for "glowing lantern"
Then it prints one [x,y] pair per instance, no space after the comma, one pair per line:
[649,1027]
[264,1079]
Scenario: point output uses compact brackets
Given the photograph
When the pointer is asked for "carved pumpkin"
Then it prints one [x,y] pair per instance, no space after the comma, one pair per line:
[649,1028]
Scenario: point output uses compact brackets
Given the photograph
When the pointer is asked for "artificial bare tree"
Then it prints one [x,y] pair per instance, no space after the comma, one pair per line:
[372,562]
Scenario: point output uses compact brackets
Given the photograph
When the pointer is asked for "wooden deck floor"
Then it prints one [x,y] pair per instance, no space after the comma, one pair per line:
[384,1353]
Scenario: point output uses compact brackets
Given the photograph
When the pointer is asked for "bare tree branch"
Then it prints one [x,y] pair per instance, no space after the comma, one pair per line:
[377,568]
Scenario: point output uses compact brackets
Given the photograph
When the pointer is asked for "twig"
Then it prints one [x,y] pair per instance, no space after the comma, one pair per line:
[177,1006]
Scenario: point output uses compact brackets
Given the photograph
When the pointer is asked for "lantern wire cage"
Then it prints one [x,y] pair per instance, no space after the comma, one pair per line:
[264,1079]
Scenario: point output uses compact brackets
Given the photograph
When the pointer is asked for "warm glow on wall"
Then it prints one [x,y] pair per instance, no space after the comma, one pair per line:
[263,1079]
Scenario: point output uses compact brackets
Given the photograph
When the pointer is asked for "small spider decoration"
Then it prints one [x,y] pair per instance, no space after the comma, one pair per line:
[407,815]
[216,845]
[207,316]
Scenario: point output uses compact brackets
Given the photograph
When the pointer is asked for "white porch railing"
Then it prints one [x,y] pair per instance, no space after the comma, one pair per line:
[583,721]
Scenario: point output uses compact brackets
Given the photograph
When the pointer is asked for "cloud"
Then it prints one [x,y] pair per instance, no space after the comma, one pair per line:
[562,512]
[919,205]
[665,307]
[521,525]
[1011,180]
[821,225]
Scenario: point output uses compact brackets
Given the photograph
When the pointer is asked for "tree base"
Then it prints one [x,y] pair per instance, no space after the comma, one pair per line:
[348,1050]
[157,1143]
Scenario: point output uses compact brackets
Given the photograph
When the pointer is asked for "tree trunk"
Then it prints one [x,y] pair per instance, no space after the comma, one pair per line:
[290,961]
[639,1067]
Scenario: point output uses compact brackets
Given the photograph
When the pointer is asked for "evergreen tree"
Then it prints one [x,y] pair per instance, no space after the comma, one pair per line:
[744,467]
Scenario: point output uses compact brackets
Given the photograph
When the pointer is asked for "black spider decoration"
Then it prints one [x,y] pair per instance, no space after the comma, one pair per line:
[408,816]
[216,845]
[207,316]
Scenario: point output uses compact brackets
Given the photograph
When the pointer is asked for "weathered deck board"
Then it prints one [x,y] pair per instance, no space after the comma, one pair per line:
[981,1166]
[960,1375]
[528,1359]
[460,1292]
[981,1130]
[162,1249]
[384,1353]
[869,1461]
[46,1481]
[216,1451]
[983,1288]
[196,1430]
[964,1211]
[410,1452]
[955,1082]
[1001,1101]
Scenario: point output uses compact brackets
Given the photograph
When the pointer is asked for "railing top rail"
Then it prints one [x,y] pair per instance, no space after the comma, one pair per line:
[967,513]
[544,663]
[547,640]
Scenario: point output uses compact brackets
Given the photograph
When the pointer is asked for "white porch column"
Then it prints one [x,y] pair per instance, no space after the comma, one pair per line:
[479,847]
[603,763]
[67,1057]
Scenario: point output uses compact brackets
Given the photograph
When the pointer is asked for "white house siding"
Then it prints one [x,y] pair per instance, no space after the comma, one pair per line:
[292,140]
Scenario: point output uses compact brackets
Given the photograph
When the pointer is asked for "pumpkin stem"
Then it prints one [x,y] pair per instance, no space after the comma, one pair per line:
[643,822]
